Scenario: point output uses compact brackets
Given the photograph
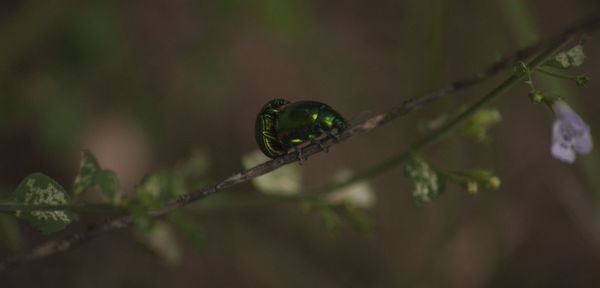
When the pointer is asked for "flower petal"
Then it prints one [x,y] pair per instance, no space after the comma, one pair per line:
[583,144]
[557,131]
[563,152]
[571,120]
[561,109]
[562,147]
[569,134]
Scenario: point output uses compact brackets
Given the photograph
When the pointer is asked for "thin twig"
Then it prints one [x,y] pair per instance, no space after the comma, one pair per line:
[557,75]
[56,246]
[73,207]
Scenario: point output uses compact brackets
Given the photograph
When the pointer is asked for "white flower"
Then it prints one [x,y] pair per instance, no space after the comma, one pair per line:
[569,134]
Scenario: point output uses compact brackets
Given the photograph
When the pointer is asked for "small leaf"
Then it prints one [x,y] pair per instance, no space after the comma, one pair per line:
[360,220]
[191,172]
[194,166]
[433,124]
[191,228]
[160,186]
[142,221]
[39,189]
[429,184]
[571,58]
[284,181]
[427,126]
[520,69]
[582,80]
[478,125]
[85,179]
[109,184]
[169,183]
[91,175]
[162,242]
[330,219]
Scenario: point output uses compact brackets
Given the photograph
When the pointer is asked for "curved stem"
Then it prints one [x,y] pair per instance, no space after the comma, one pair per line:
[557,75]
[367,174]
[451,124]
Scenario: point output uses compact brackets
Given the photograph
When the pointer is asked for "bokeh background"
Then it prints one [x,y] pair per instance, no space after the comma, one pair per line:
[144,85]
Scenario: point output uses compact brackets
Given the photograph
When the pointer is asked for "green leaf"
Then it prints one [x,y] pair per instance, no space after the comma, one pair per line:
[169,183]
[162,242]
[39,189]
[478,125]
[571,58]
[428,184]
[520,69]
[191,172]
[425,127]
[428,126]
[191,228]
[196,165]
[85,179]
[330,219]
[91,175]
[160,186]
[142,221]
[360,220]
[109,184]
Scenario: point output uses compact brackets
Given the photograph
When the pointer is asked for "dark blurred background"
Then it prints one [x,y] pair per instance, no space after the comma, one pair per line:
[145,84]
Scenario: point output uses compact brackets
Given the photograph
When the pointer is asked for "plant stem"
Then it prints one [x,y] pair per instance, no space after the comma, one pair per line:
[367,174]
[557,75]
[449,125]
[74,207]
[255,200]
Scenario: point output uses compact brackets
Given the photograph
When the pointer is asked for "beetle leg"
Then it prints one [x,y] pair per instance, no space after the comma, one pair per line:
[336,136]
[299,154]
[323,148]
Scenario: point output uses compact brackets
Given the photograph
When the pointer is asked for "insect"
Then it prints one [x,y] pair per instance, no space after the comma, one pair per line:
[282,125]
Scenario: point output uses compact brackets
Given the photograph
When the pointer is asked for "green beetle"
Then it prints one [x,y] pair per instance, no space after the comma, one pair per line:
[282,125]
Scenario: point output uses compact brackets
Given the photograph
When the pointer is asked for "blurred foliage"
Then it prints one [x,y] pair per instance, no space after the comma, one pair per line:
[160,187]
[477,126]
[161,241]
[360,195]
[193,231]
[193,74]
[9,232]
